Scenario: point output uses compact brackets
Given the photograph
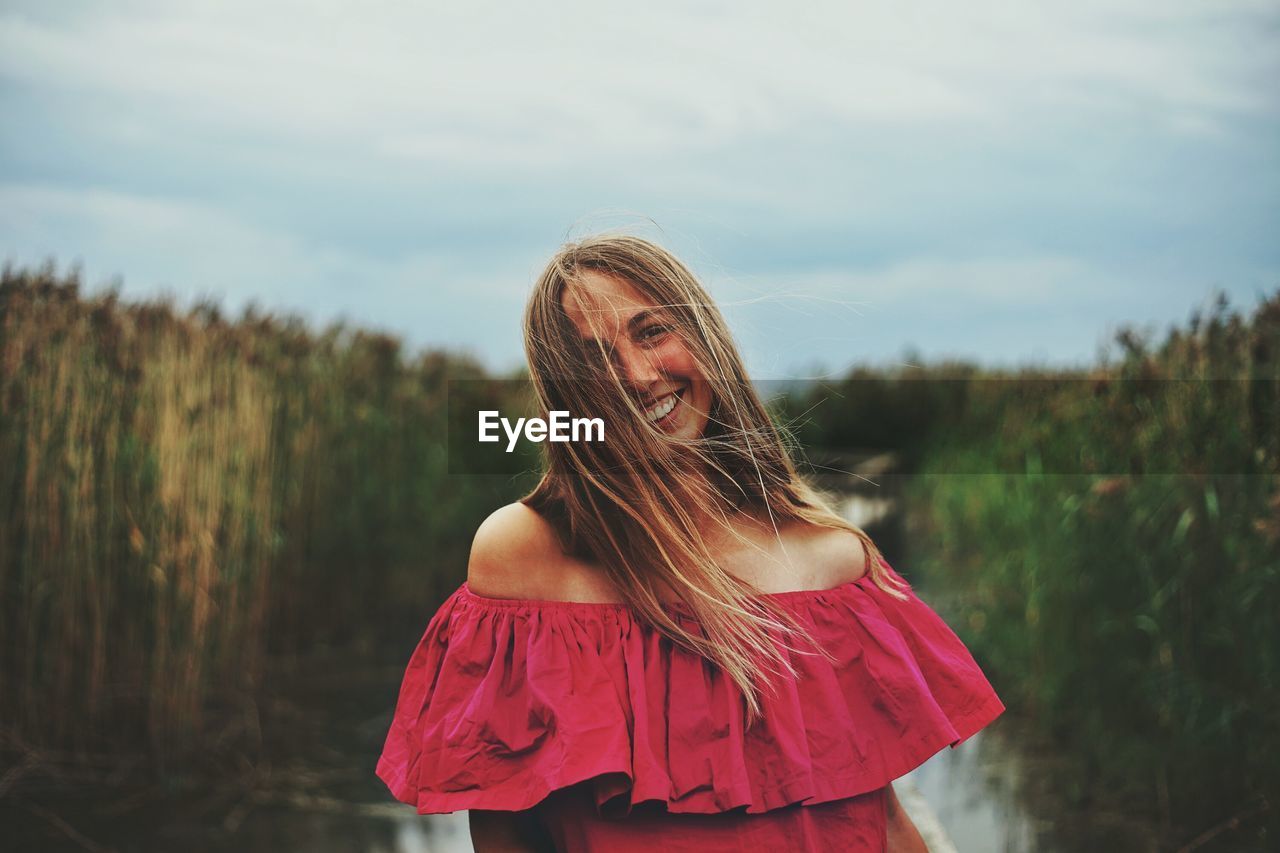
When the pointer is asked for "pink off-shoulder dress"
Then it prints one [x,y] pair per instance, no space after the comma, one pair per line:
[619,740]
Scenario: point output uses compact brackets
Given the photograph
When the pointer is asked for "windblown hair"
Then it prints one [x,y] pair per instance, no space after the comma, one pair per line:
[631,503]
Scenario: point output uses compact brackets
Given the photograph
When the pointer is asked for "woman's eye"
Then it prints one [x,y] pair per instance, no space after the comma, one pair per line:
[659,329]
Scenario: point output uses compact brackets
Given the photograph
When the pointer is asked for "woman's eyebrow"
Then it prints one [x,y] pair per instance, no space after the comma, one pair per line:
[636,319]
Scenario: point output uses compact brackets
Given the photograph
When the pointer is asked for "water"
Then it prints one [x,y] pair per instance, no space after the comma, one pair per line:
[972,798]
[994,792]
[370,832]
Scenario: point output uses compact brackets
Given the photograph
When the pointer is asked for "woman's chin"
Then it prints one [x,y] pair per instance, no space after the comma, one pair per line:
[688,429]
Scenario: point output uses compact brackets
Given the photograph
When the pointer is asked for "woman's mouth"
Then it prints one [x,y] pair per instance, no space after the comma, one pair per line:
[662,413]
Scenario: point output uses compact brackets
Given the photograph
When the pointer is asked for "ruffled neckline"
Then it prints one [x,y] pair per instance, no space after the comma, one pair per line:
[506,701]
[796,596]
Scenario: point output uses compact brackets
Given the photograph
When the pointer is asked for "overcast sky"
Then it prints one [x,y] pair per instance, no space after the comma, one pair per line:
[1005,182]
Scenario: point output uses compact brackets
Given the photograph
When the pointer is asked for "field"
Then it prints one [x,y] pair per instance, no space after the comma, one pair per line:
[186,497]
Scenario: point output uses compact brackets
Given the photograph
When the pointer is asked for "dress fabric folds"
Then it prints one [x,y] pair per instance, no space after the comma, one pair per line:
[621,739]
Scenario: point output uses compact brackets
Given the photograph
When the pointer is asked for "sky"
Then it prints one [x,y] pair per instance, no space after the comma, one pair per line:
[878,183]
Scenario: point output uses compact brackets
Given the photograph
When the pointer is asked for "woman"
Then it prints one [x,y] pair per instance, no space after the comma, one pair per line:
[672,642]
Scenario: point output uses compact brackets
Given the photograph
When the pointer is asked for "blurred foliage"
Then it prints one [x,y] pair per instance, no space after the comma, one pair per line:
[885,411]
[1127,605]
[182,495]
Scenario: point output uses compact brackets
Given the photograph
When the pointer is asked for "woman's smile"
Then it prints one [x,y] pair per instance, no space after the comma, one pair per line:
[663,413]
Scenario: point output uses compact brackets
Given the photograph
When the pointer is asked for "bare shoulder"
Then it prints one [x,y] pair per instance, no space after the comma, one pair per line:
[516,554]
[841,552]
[509,546]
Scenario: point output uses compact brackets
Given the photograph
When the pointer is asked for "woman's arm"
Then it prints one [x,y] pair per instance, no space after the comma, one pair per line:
[903,835]
[506,832]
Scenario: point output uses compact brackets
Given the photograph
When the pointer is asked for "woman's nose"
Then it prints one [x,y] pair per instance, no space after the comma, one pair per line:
[637,366]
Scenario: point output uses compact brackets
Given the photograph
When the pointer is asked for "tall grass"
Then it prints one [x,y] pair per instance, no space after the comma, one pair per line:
[181,495]
[1118,542]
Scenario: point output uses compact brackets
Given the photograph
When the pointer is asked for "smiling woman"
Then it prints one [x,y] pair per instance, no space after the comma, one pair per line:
[611,314]
[673,642]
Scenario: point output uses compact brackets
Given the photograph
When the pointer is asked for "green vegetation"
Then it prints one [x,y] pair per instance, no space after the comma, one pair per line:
[1114,541]
[181,496]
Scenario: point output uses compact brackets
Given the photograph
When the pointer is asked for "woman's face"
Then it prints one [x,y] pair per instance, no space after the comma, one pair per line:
[651,359]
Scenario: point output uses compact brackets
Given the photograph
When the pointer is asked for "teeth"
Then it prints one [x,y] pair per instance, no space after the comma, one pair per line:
[660,411]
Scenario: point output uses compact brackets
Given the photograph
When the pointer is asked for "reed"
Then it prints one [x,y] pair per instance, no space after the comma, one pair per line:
[1113,543]
[182,496]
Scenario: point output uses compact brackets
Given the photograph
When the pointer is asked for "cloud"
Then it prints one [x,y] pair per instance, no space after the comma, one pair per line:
[1010,309]
[1028,282]
[925,164]
[158,244]
[515,85]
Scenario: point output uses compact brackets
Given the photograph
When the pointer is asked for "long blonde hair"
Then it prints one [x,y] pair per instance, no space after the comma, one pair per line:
[629,503]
